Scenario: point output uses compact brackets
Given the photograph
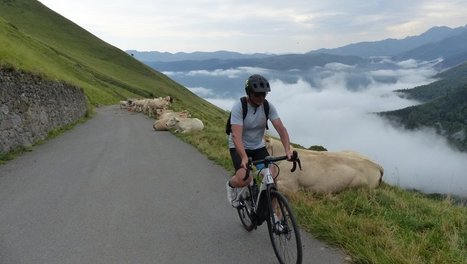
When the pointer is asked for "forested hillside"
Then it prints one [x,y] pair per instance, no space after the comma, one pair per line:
[449,81]
[445,107]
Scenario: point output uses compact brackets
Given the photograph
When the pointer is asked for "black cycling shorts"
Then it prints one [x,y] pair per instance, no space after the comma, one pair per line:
[256,154]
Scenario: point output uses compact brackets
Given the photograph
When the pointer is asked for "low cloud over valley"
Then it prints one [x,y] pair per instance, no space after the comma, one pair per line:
[333,106]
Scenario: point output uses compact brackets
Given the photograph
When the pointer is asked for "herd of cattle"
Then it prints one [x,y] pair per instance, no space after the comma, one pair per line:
[166,118]
[322,171]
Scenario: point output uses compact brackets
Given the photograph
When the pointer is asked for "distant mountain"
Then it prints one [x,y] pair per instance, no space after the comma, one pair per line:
[453,50]
[277,62]
[437,42]
[194,56]
[392,47]
[445,109]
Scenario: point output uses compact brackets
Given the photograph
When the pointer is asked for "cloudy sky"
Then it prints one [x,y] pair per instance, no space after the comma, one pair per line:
[275,26]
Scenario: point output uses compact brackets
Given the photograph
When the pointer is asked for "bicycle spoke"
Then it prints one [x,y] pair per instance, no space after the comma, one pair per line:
[284,234]
[244,212]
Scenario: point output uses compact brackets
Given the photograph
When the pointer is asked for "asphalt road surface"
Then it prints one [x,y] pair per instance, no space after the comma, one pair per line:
[112,190]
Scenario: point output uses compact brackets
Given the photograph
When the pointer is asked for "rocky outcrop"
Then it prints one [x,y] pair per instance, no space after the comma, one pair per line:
[31,106]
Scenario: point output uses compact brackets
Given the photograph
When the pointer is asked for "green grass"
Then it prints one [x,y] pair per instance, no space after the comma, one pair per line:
[385,225]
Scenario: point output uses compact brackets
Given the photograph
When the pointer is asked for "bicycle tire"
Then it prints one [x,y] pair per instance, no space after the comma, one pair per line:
[286,241]
[245,213]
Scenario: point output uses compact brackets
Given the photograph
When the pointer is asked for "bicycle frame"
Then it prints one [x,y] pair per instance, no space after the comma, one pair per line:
[267,183]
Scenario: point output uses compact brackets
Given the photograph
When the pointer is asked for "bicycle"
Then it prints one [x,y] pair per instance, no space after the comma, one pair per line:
[266,203]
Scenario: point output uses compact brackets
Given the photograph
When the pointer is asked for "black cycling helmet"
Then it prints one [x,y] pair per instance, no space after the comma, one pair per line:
[257,84]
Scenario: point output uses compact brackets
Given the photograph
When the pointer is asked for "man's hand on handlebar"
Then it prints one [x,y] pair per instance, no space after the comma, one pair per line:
[289,155]
[295,161]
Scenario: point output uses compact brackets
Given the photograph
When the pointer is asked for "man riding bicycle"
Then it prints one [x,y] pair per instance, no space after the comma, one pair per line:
[247,133]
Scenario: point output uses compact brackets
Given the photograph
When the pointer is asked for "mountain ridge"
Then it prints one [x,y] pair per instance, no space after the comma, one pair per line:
[392,47]
[192,56]
[426,46]
[361,49]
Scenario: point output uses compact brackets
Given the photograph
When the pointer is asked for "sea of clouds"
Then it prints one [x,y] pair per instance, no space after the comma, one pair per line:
[333,106]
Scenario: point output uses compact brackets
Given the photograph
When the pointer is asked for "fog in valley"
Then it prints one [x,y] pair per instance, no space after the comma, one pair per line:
[333,106]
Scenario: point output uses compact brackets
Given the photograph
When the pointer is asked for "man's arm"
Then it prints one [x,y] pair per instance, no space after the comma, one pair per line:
[284,135]
[237,138]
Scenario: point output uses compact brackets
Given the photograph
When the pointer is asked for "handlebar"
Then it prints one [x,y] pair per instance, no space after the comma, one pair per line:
[270,159]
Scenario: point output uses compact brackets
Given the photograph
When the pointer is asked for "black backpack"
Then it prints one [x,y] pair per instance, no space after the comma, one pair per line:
[228,126]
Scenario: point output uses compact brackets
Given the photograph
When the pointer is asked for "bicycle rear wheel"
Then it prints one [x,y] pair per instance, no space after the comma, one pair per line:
[284,233]
[245,211]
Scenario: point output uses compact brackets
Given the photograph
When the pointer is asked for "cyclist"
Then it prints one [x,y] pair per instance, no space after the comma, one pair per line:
[246,136]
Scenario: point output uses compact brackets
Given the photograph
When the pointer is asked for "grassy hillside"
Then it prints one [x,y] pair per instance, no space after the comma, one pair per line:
[386,225]
[34,38]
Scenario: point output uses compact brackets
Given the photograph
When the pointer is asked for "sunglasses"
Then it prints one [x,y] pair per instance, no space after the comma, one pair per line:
[261,94]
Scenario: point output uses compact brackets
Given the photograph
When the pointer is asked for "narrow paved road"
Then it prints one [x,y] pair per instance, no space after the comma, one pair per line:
[112,190]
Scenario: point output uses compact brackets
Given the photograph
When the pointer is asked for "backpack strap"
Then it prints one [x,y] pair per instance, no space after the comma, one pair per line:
[266,111]
[228,126]
[244,106]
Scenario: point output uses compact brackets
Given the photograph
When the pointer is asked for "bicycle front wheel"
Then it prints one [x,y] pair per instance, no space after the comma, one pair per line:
[283,231]
[245,211]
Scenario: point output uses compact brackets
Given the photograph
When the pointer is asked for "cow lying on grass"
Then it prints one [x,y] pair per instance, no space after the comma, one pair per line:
[324,171]
[185,125]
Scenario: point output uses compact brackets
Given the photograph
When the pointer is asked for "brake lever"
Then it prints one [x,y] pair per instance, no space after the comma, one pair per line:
[295,161]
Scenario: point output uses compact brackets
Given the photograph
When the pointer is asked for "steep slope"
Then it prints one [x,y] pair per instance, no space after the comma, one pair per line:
[34,38]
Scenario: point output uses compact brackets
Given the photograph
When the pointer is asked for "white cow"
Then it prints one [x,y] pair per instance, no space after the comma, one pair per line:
[151,105]
[160,125]
[169,114]
[139,104]
[123,104]
[325,171]
[185,125]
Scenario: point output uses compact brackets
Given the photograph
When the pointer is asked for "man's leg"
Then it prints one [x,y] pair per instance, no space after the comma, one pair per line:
[237,179]
[236,186]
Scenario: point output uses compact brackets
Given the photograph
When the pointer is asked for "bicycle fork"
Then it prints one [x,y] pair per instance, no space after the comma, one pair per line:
[266,188]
